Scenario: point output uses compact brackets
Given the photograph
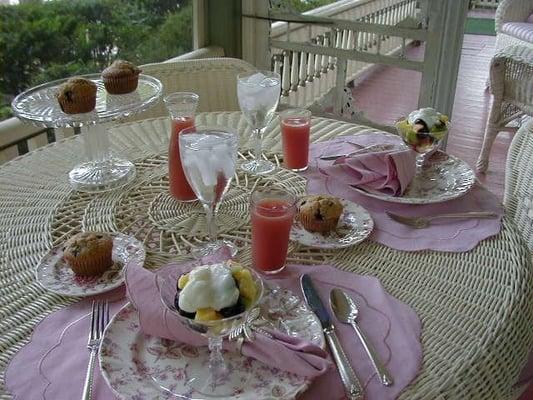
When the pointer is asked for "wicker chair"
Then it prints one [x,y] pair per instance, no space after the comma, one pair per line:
[213,79]
[512,26]
[518,197]
[511,84]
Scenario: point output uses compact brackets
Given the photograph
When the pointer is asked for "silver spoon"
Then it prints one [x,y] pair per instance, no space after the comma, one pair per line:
[346,311]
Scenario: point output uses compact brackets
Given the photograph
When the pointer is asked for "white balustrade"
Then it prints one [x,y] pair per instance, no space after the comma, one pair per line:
[313,72]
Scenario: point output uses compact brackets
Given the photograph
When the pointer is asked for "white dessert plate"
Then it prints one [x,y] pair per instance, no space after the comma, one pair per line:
[355,224]
[55,275]
[138,366]
[445,178]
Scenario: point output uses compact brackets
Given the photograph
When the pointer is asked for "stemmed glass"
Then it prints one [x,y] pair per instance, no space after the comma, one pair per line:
[217,380]
[208,156]
[258,93]
[420,137]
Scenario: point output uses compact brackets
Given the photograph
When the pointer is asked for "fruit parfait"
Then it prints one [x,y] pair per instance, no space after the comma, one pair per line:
[422,131]
[210,295]
[213,300]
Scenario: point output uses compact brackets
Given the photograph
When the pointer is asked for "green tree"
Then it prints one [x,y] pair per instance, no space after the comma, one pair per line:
[40,42]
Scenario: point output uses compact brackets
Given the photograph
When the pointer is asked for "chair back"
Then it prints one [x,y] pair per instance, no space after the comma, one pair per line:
[518,197]
[213,79]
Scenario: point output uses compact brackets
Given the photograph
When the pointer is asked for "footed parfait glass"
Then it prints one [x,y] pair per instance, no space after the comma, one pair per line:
[208,156]
[217,380]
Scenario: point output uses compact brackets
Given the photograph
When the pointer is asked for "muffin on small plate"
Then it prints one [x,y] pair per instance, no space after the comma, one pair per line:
[89,253]
[77,96]
[319,213]
[121,77]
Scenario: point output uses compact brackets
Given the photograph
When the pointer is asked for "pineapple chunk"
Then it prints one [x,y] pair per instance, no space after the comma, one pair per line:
[182,281]
[235,267]
[247,287]
[207,314]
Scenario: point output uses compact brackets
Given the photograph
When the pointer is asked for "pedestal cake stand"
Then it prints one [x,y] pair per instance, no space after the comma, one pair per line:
[102,170]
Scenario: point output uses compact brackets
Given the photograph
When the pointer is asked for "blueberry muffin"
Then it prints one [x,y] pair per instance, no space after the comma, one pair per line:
[77,95]
[214,292]
[319,213]
[121,77]
[89,253]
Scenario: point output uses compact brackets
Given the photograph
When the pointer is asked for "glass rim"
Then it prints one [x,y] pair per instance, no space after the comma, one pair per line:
[232,135]
[265,72]
[293,199]
[171,98]
[294,112]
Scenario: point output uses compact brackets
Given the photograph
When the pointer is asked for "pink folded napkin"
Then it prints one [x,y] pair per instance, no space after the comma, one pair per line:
[283,352]
[388,167]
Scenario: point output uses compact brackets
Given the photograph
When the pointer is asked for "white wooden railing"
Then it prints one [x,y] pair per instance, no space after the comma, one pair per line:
[318,68]
[307,76]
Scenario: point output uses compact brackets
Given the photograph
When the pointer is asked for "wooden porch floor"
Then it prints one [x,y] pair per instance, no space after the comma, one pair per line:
[389,93]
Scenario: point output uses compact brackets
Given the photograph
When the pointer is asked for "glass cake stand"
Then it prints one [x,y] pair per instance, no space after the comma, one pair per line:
[101,171]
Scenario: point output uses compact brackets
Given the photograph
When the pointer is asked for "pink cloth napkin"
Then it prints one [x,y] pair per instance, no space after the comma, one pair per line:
[388,168]
[443,235]
[283,352]
[55,360]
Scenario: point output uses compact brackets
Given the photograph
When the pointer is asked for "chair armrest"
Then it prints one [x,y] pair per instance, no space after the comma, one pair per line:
[511,66]
[512,11]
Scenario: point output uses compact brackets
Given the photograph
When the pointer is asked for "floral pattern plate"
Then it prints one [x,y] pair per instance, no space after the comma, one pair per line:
[444,178]
[355,224]
[138,366]
[55,275]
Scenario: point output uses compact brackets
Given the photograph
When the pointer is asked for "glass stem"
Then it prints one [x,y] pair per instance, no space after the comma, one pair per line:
[258,143]
[217,365]
[210,214]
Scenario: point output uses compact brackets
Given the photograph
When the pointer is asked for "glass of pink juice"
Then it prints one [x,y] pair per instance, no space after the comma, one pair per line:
[272,212]
[181,106]
[295,130]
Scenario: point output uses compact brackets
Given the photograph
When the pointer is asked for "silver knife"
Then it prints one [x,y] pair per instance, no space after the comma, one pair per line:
[352,386]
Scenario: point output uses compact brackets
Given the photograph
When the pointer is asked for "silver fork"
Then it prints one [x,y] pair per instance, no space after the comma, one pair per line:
[424,222]
[99,320]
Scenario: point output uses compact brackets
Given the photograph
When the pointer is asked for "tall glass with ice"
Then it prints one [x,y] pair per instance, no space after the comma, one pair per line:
[258,94]
[208,156]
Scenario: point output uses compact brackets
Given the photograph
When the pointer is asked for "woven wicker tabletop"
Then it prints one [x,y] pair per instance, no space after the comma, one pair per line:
[475,307]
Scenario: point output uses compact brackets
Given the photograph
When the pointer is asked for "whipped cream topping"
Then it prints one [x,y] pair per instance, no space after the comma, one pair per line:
[209,286]
[428,115]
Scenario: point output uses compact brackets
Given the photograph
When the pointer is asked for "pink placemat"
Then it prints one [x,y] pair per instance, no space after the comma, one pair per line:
[56,358]
[452,235]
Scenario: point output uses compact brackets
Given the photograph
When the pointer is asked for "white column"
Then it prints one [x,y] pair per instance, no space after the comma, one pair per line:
[256,34]
[446,21]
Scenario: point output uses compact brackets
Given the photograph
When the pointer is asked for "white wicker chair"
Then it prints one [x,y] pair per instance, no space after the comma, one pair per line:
[518,197]
[213,79]
[511,26]
[511,84]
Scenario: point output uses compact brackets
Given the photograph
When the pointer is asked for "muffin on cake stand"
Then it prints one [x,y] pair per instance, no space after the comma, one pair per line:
[101,171]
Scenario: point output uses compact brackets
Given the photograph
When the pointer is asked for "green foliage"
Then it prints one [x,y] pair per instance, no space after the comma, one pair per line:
[5,111]
[40,42]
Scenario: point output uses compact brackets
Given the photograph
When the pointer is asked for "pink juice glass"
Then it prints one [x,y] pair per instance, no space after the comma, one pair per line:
[295,130]
[181,106]
[272,212]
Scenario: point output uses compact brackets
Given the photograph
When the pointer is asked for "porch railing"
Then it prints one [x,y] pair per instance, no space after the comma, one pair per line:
[308,75]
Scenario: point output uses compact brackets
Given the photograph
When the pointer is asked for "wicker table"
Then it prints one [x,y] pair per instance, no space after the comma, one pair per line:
[475,307]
